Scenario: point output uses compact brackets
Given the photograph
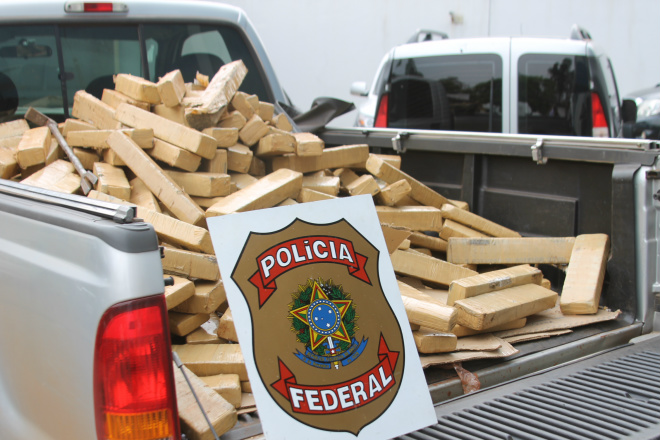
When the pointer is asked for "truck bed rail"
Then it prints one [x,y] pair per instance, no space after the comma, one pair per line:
[111,211]
[539,148]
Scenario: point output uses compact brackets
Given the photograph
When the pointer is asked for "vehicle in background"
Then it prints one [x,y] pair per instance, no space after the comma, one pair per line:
[499,85]
[647,125]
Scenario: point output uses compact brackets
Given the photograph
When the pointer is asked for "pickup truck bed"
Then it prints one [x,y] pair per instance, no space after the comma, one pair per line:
[545,186]
[563,187]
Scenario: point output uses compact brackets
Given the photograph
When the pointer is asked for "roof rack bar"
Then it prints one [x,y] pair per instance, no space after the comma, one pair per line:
[427,35]
[580,33]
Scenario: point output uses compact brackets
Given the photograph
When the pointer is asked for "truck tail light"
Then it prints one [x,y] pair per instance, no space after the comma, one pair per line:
[98,7]
[134,391]
[381,114]
[599,122]
[74,6]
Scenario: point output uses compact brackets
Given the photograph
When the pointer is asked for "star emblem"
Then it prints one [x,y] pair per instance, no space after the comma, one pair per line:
[324,317]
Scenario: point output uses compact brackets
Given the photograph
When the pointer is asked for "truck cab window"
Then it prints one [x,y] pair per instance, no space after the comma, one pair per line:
[152,50]
[210,42]
[611,90]
[29,59]
[202,48]
[92,54]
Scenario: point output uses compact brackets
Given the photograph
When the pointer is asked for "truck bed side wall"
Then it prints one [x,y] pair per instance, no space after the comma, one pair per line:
[560,199]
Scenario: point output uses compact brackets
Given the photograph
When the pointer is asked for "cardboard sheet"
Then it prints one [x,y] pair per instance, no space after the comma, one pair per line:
[248,404]
[535,336]
[484,342]
[461,356]
[553,319]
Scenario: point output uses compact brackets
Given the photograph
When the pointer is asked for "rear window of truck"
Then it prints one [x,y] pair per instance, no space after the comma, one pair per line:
[449,92]
[554,95]
[47,64]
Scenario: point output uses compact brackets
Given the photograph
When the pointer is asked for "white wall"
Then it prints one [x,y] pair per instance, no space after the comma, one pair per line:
[319,48]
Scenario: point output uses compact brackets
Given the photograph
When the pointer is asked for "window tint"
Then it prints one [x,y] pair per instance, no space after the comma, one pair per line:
[381,80]
[453,92]
[611,92]
[554,95]
[28,59]
[204,48]
[151,49]
[210,42]
[91,55]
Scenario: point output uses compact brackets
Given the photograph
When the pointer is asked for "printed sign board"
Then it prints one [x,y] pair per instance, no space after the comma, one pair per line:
[320,321]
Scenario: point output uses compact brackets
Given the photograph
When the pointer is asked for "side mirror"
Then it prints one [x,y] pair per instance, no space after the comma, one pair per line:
[359,88]
[629,111]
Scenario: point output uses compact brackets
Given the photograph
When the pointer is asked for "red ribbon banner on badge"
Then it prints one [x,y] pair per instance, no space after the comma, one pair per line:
[301,251]
[341,397]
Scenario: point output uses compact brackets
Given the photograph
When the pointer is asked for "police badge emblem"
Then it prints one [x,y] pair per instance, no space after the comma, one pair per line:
[322,315]
[323,318]
[327,346]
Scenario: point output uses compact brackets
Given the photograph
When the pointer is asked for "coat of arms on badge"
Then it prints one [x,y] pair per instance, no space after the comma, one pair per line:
[324,320]
[319,360]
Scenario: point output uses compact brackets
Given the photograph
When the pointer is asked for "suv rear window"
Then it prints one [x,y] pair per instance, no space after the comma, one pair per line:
[554,95]
[47,64]
[449,92]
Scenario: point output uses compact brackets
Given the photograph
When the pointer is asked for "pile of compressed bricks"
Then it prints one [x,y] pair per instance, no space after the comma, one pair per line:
[185,152]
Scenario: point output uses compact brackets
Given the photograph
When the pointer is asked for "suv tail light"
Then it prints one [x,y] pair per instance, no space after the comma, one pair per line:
[599,122]
[134,391]
[381,114]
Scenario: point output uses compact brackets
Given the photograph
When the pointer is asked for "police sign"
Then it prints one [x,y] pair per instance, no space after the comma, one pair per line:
[320,321]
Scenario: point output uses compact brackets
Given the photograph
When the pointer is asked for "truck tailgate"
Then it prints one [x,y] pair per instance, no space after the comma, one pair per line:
[613,395]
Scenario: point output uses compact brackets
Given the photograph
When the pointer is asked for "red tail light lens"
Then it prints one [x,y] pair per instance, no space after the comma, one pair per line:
[98,7]
[599,122]
[381,115]
[79,6]
[133,379]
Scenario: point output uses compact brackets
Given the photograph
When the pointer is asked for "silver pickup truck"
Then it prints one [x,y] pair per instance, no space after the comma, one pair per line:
[82,326]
